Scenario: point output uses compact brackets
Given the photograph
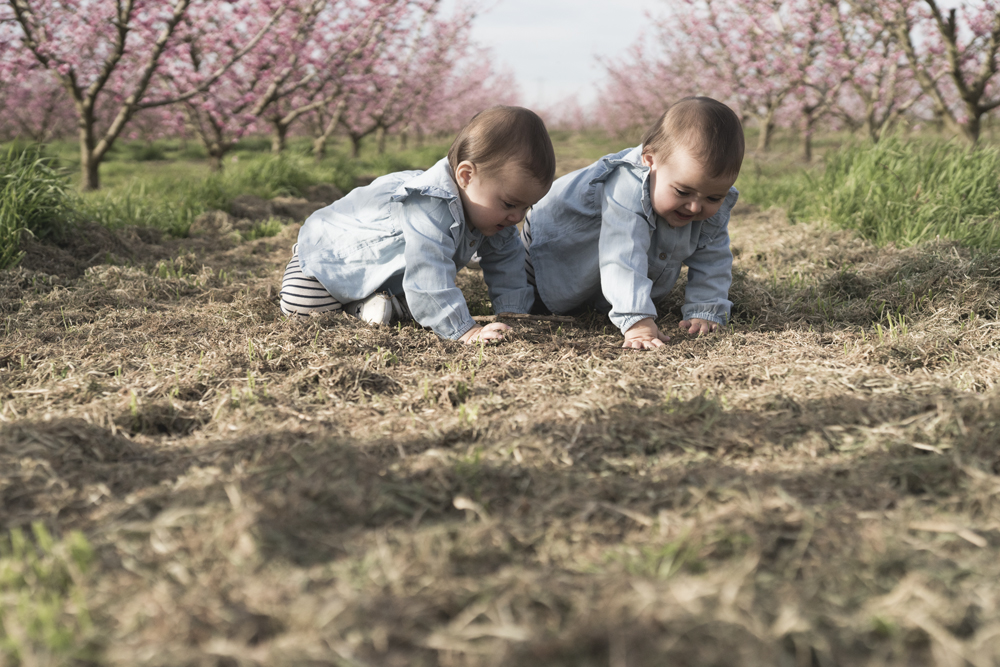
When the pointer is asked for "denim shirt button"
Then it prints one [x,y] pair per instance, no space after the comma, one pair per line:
[472,244]
[663,255]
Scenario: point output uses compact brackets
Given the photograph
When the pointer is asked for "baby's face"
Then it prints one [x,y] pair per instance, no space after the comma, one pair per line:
[682,190]
[498,200]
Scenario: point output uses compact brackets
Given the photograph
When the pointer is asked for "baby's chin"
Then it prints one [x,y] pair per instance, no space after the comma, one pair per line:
[676,221]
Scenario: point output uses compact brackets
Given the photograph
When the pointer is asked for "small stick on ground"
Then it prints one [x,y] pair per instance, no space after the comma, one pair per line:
[523,316]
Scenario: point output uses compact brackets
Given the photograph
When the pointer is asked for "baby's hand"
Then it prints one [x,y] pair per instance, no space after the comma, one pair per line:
[491,333]
[644,335]
[696,326]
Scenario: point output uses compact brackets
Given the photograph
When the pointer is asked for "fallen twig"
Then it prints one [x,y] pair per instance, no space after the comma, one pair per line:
[523,316]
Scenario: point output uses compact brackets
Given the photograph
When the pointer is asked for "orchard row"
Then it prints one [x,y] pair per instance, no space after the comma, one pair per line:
[223,68]
[220,69]
[865,64]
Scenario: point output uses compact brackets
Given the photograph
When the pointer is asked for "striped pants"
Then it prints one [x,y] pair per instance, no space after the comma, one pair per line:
[302,294]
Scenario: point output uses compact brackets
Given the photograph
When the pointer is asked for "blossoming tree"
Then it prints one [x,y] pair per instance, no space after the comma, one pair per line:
[954,54]
[108,55]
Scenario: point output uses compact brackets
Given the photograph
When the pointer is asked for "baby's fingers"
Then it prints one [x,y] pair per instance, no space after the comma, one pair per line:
[638,344]
[696,327]
[486,336]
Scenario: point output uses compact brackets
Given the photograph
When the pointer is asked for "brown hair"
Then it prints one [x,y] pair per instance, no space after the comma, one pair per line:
[502,134]
[706,127]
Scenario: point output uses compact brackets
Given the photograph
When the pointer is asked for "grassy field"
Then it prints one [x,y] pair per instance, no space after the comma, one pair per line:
[188,478]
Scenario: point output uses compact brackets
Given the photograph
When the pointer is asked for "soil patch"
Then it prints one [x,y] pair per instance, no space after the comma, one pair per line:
[816,485]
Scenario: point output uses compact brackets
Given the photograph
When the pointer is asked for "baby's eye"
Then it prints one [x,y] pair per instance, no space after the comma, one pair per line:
[506,204]
[715,200]
[680,193]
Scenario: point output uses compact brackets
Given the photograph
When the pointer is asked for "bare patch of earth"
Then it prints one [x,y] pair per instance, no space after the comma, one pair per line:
[815,486]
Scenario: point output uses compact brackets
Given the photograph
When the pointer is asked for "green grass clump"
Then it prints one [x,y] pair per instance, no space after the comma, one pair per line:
[269,175]
[167,183]
[264,229]
[155,202]
[34,197]
[908,192]
[170,199]
[42,606]
[775,184]
[896,191]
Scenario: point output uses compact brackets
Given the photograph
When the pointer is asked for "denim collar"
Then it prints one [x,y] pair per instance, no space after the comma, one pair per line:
[630,158]
[435,182]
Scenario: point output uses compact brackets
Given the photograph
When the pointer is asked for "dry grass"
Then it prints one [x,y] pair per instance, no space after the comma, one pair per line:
[817,486]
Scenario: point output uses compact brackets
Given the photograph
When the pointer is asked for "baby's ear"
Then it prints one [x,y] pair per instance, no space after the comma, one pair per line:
[464,173]
[647,159]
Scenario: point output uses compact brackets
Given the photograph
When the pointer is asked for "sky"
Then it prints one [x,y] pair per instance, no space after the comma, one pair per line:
[552,46]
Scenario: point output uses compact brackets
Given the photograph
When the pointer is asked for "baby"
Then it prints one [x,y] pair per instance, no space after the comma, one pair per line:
[615,234]
[392,248]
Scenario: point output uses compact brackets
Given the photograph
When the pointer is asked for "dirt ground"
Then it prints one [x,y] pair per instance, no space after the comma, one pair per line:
[816,486]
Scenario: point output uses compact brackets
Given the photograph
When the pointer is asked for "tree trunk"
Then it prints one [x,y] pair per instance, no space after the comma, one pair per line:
[938,121]
[380,139]
[404,140]
[319,143]
[356,145]
[872,131]
[279,138]
[215,162]
[90,165]
[871,126]
[766,125]
[808,120]
[973,125]
[91,169]
[319,147]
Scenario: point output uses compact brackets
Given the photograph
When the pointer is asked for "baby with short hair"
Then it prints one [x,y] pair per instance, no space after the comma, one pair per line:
[614,235]
[391,250]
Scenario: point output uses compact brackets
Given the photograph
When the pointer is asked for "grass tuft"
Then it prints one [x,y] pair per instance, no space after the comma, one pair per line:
[264,229]
[901,192]
[909,192]
[33,198]
[44,615]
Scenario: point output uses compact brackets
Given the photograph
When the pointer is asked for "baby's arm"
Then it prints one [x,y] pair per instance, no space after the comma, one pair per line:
[429,277]
[623,250]
[710,275]
[502,261]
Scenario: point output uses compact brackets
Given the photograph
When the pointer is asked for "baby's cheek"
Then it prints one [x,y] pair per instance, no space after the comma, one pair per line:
[663,206]
[709,211]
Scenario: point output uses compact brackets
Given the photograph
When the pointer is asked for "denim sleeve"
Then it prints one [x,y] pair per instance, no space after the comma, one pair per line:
[710,274]
[502,261]
[624,251]
[429,278]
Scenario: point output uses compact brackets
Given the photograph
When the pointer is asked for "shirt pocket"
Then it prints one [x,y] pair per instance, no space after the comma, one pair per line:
[710,230]
[662,259]
[373,249]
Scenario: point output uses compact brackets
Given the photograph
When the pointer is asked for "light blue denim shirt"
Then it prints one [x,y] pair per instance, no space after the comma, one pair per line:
[406,233]
[595,235]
